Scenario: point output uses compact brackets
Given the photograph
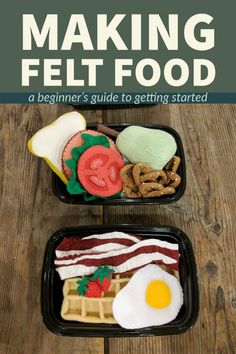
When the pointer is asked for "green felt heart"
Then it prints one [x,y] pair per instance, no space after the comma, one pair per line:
[151,146]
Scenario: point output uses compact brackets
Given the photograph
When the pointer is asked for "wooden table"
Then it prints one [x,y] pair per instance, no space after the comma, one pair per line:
[30,213]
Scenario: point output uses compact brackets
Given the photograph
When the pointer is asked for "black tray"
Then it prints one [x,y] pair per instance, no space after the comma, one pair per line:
[51,287]
[59,188]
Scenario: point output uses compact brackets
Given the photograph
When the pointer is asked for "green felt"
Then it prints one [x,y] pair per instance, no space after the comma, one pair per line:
[154,147]
[82,285]
[102,272]
[74,186]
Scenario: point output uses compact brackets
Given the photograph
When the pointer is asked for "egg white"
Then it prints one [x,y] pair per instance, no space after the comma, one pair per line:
[130,309]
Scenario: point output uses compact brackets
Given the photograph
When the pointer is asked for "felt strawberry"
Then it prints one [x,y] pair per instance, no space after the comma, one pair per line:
[88,288]
[103,277]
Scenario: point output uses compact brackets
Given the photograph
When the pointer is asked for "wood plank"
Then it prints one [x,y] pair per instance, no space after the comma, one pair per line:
[206,213]
[29,214]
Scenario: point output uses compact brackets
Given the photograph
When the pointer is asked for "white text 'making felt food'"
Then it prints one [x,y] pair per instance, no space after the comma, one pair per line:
[176,72]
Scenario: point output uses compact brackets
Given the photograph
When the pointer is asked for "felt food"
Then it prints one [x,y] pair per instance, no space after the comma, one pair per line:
[74,186]
[49,141]
[97,284]
[109,241]
[103,276]
[80,308]
[97,267]
[88,288]
[152,297]
[122,252]
[141,181]
[76,141]
[151,146]
[98,171]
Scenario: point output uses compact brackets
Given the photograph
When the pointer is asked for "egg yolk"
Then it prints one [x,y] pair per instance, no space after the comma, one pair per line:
[158,294]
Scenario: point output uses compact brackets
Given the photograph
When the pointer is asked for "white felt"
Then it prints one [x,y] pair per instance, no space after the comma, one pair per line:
[112,235]
[130,308]
[50,141]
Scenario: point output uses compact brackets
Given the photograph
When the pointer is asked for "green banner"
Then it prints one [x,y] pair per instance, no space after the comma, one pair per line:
[121,47]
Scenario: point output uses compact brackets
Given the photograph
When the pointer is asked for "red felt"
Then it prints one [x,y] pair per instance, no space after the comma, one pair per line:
[105,284]
[93,290]
[74,243]
[98,171]
[121,257]
[77,141]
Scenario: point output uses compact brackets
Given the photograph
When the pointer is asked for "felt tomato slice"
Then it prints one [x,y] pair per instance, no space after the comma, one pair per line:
[75,141]
[98,170]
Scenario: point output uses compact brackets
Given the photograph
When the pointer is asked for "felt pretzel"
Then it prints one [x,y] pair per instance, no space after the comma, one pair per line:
[130,189]
[141,181]
[154,176]
[174,177]
[139,170]
[150,190]
[130,193]
[127,176]
[173,164]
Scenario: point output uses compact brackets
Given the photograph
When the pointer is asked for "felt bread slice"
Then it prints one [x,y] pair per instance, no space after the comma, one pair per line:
[49,142]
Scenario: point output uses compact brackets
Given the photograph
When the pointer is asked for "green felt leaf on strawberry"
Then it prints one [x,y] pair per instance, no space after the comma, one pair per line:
[83,286]
[88,288]
[103,276]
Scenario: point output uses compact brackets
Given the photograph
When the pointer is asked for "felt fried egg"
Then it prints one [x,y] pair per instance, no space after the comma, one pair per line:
[152,297]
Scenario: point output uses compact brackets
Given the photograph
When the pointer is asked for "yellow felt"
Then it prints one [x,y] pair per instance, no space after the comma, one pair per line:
[58,172]
[158,294]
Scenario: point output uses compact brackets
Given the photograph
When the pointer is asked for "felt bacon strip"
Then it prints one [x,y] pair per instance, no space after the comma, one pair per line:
[122,261]
[95,243]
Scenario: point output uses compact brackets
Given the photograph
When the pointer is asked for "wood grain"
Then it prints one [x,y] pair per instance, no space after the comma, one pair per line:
[29,214]
[206,213]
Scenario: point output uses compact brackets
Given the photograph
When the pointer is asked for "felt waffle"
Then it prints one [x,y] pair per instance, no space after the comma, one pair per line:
[89,309]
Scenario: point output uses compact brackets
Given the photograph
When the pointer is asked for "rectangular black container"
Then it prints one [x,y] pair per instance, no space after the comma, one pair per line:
[59,188]
[51,287]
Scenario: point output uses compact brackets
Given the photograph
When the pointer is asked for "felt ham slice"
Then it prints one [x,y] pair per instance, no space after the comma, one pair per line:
[76,141]
[98,171]
[50,141]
